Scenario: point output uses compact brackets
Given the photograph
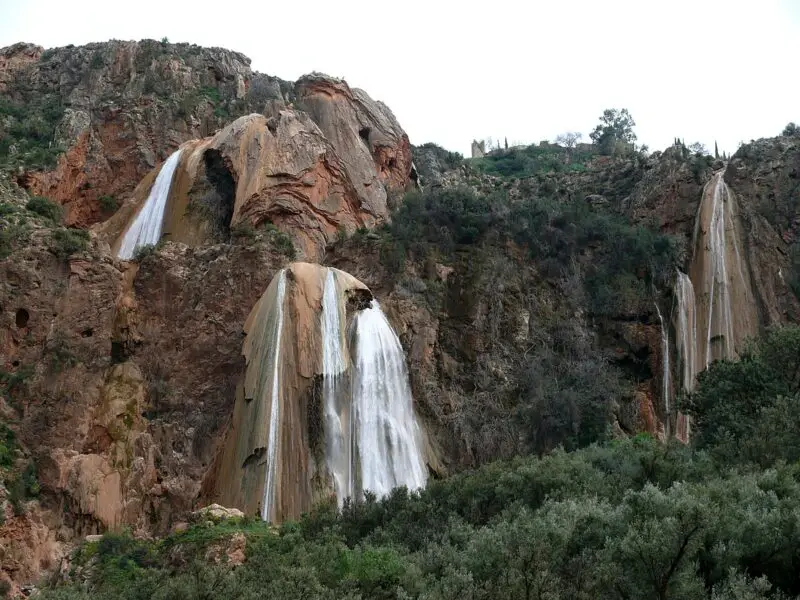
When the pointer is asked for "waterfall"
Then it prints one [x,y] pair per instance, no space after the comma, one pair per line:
[720,290]
[325,404]
[687,345]
[386,432]
[665,372]
[146,228]
[687,331]
[275,336]
[338,436]
[725,312]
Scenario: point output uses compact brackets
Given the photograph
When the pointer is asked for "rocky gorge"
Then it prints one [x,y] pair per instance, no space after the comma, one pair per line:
[124,378]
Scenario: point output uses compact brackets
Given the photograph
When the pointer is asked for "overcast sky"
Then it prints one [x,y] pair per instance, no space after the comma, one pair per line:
[452,71]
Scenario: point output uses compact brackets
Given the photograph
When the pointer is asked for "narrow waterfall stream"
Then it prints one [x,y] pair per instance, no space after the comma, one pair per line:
[386,432]
[146,228]
[275,336]
[338,446]
[686,330]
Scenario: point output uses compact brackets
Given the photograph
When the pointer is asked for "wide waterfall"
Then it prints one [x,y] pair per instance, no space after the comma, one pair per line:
[324,409]
[274,337]
[146,228]
[716,310]
[725,308]
[387,435]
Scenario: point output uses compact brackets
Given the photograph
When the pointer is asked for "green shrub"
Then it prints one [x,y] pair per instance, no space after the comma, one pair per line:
[144,252]
[66,242]
[30,125]
[7,446]
[108,203]
[747,410]
[97,61]
[14,233]
[45,208]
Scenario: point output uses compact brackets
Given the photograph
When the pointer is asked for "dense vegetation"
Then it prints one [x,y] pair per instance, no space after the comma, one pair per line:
[532,160]
[632,519]
[623,261]
[27,131]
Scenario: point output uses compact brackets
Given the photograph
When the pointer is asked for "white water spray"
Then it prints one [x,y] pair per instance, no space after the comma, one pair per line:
[268,502]
[146,228]
[719,304]
[687,331]
[337,410]
[687,346]
[387,435]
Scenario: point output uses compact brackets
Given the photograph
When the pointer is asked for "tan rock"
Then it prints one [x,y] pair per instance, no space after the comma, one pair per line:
[216,512]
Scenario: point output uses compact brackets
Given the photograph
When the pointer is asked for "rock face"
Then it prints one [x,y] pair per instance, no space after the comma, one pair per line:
[119,108]
[333,159]
[283,353]
[280,170]
[128,377]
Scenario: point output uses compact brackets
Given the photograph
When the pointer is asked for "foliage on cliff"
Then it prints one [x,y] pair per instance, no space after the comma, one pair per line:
[633,519]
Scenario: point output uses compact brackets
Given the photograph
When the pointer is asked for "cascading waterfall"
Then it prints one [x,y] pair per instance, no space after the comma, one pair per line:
[725,307]
[386,433]
[324,407]
[687,345]
[720,297]
[337,410]
[146,228]
[274,339]
[687,331]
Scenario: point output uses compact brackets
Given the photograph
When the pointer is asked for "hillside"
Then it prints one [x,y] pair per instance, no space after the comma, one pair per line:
[539,295]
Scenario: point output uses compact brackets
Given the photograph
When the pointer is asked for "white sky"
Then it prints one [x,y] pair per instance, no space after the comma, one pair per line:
[456,70]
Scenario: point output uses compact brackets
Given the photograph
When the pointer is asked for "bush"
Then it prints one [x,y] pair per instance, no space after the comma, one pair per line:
[7,446]
[747,410]
[29,127]
[45,208]
[144,252]
[108,204]
[791,129]
[66,242]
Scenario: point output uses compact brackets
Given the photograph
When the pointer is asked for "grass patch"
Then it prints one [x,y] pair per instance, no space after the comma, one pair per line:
[45,208]
[66,242]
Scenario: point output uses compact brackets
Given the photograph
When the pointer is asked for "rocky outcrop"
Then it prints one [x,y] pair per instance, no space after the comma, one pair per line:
[14,59]
[118,109]
[365,135]
[280,170]
[765,177]
[333,158]
[126,378]
[283,353]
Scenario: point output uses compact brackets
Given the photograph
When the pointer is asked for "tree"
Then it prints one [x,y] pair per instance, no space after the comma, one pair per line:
[568,139]
[698,148]
[716,150]
[616,126]
[791,129]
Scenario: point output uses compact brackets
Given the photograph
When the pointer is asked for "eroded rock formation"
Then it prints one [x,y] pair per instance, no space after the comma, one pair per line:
[309,421]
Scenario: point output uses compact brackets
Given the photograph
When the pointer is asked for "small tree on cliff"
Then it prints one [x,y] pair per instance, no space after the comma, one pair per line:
[615,127]
[569,139]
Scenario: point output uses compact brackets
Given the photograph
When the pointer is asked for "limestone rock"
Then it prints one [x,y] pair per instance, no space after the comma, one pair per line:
[216,512]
